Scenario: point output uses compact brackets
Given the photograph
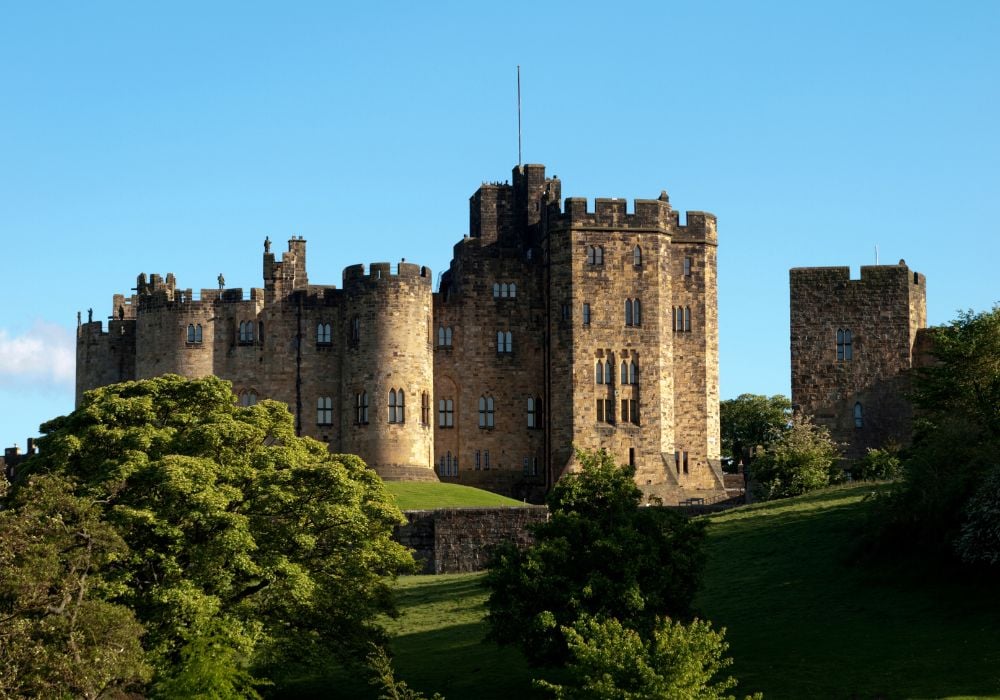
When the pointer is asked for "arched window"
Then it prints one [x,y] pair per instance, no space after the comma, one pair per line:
[637,256]
[504,342]
[190,333]
[324,410]
[532,413]
[628,312]
[323,335]
[636,313]
[392,406]
[496,290]
[246,332]
[248,398]
[687,319]
[513,290]
[624,373]
[197,333]
[504,291]
[595,255]
[400,406]
[485,411]
[608,372]
[356,329]
[441,336]
[633,372]
[590,255]
[859,415]
[599,373]
[845,350]
[425,408]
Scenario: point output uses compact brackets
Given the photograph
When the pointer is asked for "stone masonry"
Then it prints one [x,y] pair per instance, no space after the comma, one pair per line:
[852,344]
[556,327]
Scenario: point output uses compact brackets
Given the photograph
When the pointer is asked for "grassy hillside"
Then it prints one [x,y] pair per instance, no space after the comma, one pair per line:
[416,495]
[805,621]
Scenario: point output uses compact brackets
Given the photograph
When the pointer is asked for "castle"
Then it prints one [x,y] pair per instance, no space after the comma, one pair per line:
[853,343]
[557,326]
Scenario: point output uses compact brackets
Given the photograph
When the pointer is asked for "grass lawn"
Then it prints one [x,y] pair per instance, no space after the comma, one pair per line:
[805,622]
[418,495]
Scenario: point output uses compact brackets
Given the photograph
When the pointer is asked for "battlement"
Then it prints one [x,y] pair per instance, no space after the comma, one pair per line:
[383,270]
[875,275]
[648,214]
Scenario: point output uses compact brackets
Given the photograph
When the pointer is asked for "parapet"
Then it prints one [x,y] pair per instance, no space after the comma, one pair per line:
[383,270]
[875,275]
[648,214]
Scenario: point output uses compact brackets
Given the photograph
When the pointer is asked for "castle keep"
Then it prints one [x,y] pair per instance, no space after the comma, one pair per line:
[853,342]
[558,325]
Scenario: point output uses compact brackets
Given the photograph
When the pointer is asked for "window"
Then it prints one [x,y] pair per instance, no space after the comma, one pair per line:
[479,460]
[425,408]
[190,335]
[446,413]
[513,290]
[323,335]
[624,413]
[624,373]
[485,411]
[682,319]
[248,398]
[356,329]
[197,333]
[361,408]
[677,462]
[396,406]
[678,322]
[599,373]
[595,255]
[444,336]
[633,406]
[605,411]
[608,372]
[586,314]
[486,459]
[534,466]
[194,333]
[633,372]
[633,312]
[637,256]
[324,410]
[687,319]
[496,290]
[685,461]
[504,290]
[527,465]
[566,312]
[845,350]
[534,412]
[246,332]
[687,267]
[631,456]
[504,342]
[859,417]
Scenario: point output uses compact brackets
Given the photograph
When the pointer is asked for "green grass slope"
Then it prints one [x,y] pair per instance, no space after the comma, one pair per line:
[418,495]
[805,621]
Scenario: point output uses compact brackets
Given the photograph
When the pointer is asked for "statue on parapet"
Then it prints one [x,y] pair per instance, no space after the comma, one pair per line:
[90,315]
[267,244]
[222,281]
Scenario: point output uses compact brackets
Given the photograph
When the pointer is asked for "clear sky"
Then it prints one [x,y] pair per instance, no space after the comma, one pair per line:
[172,137]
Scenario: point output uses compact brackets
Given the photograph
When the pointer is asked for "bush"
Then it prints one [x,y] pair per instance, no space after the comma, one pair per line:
[879,465]
[802,459]
[979,542]
[600,554]
[610,661]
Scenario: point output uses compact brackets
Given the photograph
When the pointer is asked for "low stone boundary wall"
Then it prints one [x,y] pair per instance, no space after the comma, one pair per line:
[453,540]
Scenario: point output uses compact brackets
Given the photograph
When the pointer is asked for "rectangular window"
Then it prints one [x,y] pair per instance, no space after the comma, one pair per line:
[446,413]
[425,408]
[527,465]
[600,410]
[324,411]
[677,462]
[687,267]
[609,411]
[687,319]
[478,460]
[685,462]
[586,314]
[631,457]
[634,411]
[486,459]
[534,466]
[565,312]
[624,410]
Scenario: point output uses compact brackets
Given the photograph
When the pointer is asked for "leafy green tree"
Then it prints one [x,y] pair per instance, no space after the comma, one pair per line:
[801,460]
[59,636]
[956,442]
[750,420]
[600,554]
[611,662]
[244,544]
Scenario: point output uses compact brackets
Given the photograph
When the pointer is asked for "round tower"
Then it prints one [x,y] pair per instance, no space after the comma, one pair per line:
[388,362]
[173,333]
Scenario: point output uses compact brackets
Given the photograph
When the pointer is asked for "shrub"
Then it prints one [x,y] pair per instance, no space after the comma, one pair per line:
[801,460]
[979,542]
[879,465]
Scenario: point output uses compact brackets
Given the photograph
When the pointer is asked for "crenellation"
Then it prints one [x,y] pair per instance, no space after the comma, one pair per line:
[490,381]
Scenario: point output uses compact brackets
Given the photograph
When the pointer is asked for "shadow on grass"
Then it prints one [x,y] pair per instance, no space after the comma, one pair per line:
[805,620]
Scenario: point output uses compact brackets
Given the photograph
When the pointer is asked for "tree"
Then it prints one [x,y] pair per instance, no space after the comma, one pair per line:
[611,662]
[750,420]
[956,442]
[801,460]
[600,554]
[243,544]
[879,465]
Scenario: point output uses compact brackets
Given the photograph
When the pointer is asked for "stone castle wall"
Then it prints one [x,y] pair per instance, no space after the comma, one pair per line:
[501,401]
[860,398]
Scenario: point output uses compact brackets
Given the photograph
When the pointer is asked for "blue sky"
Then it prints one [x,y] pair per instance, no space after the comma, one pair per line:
[173,138]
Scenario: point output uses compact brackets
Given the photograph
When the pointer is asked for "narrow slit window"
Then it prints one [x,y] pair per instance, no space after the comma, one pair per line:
[859,415]
[637,256]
